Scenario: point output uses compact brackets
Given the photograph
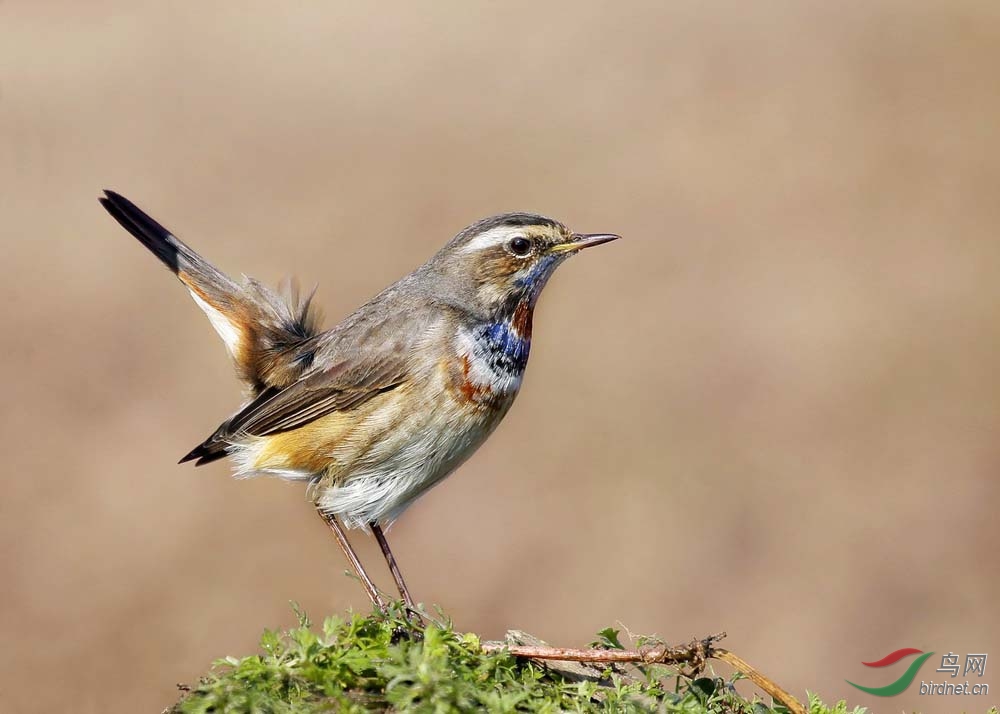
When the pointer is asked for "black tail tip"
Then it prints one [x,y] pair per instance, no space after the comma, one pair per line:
[203,454]
[197,452]
[112,197]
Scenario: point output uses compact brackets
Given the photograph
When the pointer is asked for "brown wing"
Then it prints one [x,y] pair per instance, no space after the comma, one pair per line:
[341,387]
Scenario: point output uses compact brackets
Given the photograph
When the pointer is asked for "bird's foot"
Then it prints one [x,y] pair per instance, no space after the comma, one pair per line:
[408,623]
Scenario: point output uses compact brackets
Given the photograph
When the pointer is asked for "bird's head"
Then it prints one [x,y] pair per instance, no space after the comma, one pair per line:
[505,261]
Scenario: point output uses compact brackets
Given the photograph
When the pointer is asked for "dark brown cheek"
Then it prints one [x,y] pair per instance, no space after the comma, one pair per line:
[498,265]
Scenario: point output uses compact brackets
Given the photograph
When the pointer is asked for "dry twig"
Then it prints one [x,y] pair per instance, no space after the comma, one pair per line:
[694,654]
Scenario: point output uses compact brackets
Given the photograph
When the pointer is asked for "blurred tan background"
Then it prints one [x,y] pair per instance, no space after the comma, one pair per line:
[772,409]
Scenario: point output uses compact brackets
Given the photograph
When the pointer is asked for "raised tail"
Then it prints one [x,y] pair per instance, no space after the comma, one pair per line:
[267,336]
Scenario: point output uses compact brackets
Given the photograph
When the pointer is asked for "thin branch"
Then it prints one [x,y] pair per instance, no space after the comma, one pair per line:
[693,654]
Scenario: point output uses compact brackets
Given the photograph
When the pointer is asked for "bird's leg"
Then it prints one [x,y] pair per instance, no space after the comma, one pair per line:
[338,531]
[394,569]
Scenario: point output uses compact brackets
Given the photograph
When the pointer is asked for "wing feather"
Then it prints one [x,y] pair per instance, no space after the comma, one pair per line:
[340,387]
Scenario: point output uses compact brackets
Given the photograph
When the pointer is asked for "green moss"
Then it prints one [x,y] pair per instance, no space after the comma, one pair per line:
[376,663]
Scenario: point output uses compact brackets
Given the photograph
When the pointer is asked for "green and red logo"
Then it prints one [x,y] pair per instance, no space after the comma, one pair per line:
[891,690]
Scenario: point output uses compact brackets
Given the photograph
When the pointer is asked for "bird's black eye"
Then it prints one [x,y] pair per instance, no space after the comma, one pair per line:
[520,246]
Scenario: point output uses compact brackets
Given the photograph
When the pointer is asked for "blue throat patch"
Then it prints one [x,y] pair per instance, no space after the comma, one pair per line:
[501,344]
[506,350]
[534,281]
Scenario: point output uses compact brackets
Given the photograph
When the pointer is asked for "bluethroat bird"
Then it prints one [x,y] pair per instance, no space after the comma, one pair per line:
[375,411]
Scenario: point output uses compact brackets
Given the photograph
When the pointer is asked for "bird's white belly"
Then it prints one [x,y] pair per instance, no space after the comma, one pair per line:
[379,492]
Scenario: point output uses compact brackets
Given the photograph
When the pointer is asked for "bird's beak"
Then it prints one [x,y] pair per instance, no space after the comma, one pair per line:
[580,241]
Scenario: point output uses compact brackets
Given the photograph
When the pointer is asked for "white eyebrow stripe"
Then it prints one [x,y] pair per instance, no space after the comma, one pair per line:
[494,236]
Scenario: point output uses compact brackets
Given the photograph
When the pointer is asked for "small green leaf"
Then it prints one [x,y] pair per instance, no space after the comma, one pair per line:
[608,639]
[703,687]
[300,614]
